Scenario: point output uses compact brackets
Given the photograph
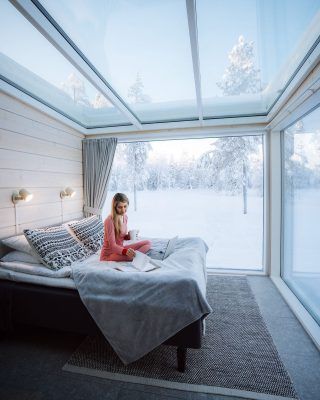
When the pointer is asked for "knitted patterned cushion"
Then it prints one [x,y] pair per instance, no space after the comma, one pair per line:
[56,247]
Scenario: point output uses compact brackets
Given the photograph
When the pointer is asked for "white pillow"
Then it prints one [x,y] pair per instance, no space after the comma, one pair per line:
[19,243]
[20,256]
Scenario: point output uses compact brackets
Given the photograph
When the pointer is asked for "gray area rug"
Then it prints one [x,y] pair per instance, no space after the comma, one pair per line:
[237,358]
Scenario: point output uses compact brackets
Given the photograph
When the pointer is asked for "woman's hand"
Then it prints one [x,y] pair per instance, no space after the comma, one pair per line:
[131,253]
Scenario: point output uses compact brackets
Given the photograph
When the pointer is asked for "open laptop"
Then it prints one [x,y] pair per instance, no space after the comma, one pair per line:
[162,248]
[170,247]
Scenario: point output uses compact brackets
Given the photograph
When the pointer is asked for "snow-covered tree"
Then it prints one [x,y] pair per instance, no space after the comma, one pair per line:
[119,176]
[135,92]
[301,151]
[136,154]
[227,164]
[207,170]
[171,178]
[75,88]
[240,76]
[100,101]
[315,151]
[158,175]
[184,172]
[153,182]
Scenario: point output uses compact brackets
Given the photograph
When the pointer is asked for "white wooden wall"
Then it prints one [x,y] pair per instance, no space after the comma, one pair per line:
[43,156]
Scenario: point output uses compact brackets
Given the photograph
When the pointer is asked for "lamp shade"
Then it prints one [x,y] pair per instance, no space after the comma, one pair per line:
[67,192]
[22,195]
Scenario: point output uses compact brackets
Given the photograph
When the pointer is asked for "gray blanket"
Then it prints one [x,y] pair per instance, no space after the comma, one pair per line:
[137,311]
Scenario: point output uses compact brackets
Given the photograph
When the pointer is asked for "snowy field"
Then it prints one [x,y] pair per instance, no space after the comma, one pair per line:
[235,240]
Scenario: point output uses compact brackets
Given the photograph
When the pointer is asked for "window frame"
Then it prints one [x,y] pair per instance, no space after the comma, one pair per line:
[265,224]
[276,214]
[283,223]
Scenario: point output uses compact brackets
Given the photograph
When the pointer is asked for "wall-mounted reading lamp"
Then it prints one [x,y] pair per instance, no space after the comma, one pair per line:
[67,192]
[22,195]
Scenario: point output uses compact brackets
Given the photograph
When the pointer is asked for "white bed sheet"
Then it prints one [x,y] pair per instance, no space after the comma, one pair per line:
[35,269]
[28,274]
[8,275]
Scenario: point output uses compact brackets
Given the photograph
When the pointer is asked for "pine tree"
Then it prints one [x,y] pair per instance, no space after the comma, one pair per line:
[75,88]
[100,101]
[227,164]
[136,92]
[240,76]
[300,149]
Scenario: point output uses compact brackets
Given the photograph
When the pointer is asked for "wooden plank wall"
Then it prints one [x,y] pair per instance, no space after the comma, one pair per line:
[43,156]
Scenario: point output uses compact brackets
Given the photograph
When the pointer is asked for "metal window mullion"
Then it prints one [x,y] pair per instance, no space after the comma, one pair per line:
[193,35]
[43,25]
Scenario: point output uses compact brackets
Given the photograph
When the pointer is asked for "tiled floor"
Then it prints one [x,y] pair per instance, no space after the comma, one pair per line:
[30,363]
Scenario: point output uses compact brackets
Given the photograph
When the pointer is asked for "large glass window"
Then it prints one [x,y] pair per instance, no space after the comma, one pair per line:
[211,188]
[301,211]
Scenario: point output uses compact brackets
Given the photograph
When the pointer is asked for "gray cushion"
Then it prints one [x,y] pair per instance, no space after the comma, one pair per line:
[89,231]
[56,247]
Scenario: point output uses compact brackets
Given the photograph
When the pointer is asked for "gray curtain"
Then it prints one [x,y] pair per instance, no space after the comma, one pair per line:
[98,156]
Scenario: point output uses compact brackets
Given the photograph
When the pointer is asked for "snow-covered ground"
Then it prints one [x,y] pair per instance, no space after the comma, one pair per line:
[235,240]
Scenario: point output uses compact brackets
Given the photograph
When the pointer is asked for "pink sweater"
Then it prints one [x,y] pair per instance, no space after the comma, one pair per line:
[113,245]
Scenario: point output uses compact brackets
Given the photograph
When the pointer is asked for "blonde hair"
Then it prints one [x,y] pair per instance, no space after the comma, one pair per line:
[117,198]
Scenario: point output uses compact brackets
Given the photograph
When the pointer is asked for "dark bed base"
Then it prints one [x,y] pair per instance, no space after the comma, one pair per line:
[62,309]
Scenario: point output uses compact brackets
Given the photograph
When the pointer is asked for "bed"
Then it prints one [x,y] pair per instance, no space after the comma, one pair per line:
[39,303]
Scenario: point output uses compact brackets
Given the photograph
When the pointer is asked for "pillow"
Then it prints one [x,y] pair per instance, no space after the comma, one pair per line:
[19,243]
[20,256]
[56,247]
[89,231]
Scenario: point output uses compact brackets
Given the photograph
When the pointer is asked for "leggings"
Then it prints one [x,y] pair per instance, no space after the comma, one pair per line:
[143,246]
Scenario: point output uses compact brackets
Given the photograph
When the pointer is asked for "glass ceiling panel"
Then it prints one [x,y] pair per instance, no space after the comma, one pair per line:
[249,49]
[141,47]
[30,61]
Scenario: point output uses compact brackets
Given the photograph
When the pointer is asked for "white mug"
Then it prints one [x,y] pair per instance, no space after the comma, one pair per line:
[134,234]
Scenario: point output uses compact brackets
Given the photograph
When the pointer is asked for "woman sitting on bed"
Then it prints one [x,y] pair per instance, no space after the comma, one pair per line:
[115,232]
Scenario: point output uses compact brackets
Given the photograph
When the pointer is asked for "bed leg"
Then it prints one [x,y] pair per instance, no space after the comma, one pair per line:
[181,357]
